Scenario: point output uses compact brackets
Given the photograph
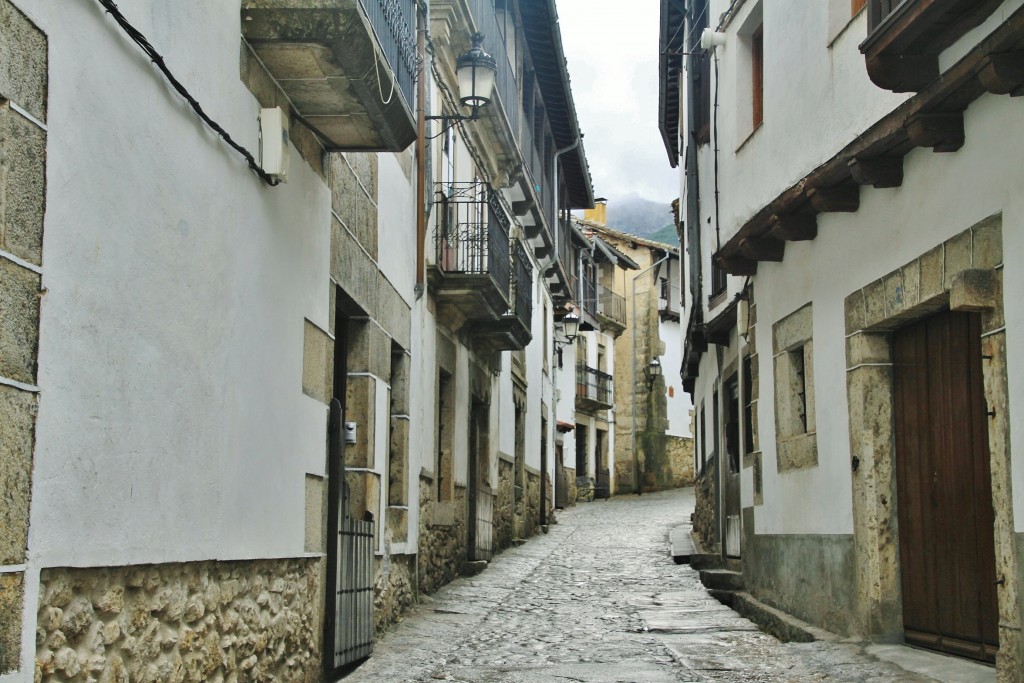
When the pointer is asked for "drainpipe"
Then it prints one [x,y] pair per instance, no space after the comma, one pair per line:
[636,456]
[421,147]
[554,179]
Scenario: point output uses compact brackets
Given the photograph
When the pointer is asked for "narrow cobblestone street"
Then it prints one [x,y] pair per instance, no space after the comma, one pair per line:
[598,599]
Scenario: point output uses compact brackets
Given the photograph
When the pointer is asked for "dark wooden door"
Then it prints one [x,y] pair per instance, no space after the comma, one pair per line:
[944,487]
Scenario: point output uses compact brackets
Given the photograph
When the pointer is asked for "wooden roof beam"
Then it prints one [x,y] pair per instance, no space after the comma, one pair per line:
[942,131]
[878,171]
[794,227]
[842,198]
[1003,73]
[736,264]
[762,248]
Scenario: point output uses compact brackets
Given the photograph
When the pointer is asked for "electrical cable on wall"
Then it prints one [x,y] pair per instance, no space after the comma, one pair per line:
[139,39]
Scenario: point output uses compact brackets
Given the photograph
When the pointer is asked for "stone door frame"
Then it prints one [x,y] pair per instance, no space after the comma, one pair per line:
[963,273]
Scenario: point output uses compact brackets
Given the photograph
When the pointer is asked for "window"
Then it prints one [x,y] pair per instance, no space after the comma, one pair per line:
[719,281]
[749,78]
[748,406]
[702,438]
[757,75]
[795,436]
[731,425]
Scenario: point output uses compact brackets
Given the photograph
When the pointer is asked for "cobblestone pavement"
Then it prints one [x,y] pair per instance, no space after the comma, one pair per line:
[599,599]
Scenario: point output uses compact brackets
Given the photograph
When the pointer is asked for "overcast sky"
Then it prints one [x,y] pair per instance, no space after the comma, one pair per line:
[612,52]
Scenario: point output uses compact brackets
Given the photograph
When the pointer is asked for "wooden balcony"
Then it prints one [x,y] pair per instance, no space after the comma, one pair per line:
[338,61]
[905,38]
[611,311]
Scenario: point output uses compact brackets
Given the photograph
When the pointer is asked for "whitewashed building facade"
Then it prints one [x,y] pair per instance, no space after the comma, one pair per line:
[850,183]
[181,500]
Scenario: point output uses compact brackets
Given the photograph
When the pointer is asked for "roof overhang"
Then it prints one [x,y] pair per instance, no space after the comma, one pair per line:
[544,37]
[671,45]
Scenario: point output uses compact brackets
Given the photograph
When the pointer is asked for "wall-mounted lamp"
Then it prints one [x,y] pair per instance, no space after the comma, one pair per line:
[570,330]
[653,371]
[475,70]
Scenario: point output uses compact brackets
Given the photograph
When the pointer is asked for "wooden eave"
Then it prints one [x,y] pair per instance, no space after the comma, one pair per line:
[931,118]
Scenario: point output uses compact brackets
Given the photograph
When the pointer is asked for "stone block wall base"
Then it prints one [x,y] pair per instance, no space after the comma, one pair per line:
[809,576]
[442,538]
[247,621]
[394,590]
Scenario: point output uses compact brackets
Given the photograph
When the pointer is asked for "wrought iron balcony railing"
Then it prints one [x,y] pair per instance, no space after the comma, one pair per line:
[394,24]
[524,286]
[471,235]
[593,386]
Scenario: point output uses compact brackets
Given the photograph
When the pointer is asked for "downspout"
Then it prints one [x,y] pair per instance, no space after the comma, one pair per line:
[636,456]
[558,194]
[421,148]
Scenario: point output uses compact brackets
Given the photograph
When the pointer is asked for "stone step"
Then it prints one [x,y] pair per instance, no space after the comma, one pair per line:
[705,560]
[721,579]
[680,544]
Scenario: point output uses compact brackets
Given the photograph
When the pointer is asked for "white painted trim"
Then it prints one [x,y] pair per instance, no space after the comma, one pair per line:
[12,568]
[39,124]
[19,385]
[21,262]
[995,331]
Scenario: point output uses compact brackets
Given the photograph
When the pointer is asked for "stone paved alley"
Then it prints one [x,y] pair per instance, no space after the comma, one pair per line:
[599,599]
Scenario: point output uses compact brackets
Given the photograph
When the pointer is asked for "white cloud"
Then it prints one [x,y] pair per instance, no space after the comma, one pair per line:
[613,61]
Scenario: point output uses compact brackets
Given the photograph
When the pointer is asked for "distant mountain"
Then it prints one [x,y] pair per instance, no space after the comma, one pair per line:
[644,218]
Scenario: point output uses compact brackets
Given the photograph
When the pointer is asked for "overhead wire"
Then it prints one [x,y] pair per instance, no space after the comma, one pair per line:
[139,39]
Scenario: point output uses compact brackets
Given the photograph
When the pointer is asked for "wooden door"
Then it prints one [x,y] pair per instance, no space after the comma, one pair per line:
[944,487]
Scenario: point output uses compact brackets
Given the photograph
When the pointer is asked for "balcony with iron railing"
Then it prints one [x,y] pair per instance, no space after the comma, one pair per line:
[473,276]
[611,311]
[594,389]
[337,60]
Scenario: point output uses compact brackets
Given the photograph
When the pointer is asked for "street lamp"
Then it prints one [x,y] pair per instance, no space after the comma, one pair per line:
[570,326]
[653,371]
[475,71]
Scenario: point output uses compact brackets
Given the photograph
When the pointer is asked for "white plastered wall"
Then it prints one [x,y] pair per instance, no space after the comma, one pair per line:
[172,424]
[941,196]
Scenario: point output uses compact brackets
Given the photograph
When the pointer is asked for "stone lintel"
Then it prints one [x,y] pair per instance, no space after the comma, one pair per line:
[974,291]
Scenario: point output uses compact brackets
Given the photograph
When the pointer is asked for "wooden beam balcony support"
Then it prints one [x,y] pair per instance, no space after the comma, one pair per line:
[943,131]
[841,198]
[762,248]
[878,171]
[903,73]
[1003,73]
[736,264]
[794,227]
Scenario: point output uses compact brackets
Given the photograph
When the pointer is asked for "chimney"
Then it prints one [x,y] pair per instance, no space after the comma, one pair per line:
[599,214]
